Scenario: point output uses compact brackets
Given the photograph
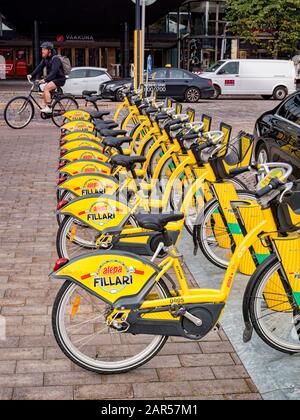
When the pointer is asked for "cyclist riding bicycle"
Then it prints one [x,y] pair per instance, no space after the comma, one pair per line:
[55,77]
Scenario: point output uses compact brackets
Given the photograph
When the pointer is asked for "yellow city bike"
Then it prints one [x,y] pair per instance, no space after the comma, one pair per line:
[116,311]
[167,148]
[101,220]
[76,145]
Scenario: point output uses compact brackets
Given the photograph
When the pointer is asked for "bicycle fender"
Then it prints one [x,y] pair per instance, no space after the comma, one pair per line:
[118,278]
[82,143]
[86,184]
[248,294]
[86,167]
[85,153]
[80,134]
[73,126]
[101,213]
[77,115]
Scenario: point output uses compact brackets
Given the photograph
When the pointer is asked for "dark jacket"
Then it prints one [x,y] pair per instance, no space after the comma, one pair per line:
[54,69]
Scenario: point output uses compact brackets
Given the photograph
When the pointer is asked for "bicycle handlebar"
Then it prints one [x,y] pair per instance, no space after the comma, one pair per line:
[273,185]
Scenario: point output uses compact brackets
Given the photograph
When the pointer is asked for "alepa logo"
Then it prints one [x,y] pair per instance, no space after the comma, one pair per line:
[84,144]
[101,213]
[114,276]
[88,169]
[93,186]
[88,156]
[78,116]
[80,127]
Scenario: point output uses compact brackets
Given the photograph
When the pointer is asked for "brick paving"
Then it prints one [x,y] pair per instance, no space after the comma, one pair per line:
[31,364]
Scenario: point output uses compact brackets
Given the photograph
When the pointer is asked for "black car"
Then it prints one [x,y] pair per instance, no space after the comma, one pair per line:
[277,134]
[114,90]
[178,84]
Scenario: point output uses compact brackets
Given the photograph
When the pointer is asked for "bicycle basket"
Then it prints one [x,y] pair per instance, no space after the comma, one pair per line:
[288,212]
[240,150]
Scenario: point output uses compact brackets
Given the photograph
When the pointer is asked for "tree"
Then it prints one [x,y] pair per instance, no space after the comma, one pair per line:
[270,24]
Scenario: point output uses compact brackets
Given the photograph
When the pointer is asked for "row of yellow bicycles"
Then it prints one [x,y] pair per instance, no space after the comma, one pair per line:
[127,188]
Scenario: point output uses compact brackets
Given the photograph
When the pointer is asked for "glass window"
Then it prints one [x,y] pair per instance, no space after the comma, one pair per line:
[291,110]
[77,74]
[215,67]
[159,74]
[95,73]
[187,75]
[230,68]
[176,74]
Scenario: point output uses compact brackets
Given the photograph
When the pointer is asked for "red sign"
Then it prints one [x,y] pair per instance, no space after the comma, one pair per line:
[229,82]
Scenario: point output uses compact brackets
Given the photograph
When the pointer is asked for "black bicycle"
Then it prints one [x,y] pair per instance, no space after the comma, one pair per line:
[20,111]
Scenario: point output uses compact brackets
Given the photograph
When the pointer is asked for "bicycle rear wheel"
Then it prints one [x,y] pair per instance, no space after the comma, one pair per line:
[19,112]
[86,339]
[60,107]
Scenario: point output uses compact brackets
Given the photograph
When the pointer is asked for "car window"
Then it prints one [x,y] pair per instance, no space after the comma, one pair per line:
[159,74]
[187,75]
[230,68]
[176,74]
[291,110]
[95,73]
[77,74]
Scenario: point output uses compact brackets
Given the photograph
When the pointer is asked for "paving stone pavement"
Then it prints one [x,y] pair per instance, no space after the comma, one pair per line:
[31,364]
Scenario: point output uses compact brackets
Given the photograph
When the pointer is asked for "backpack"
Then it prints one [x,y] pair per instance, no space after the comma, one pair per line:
[66,64]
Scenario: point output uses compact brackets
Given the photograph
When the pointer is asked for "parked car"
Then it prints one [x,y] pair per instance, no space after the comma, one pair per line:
[85,78]
[181,85]
[267,78]
[113,89]
[277,134]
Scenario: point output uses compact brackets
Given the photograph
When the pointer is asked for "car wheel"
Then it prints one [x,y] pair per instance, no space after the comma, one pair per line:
[280,93]
[192,95]
[217,92]
[119,95]
[266,97]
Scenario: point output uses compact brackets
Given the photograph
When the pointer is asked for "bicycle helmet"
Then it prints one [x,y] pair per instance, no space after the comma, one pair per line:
[47,45]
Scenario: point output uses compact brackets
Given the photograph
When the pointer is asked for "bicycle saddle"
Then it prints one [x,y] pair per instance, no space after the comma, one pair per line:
[93,99]
[98,115]
[112,133]
[100,125]
[157,222]
[113,142]
[127,162]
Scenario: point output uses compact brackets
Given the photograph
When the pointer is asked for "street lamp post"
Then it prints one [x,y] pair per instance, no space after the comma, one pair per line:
[139,40]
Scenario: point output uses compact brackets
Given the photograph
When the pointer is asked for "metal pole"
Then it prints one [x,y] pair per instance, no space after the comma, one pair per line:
[126,50]
[217,31]
[143,39]
[137,45]
[36,43]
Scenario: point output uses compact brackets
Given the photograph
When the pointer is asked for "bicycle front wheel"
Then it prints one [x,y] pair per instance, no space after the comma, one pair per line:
[19,112]
[60,107]
[271,312]
[86,339]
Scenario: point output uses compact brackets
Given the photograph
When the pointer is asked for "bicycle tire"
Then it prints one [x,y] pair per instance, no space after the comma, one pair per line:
[7,108]
[209,210]
[257,281]
[59,336]
[71,99]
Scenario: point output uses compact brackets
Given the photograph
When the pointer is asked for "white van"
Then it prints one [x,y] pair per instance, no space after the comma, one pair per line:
[268,78]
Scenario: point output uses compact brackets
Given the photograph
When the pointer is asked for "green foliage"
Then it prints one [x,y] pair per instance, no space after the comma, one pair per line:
[271,24]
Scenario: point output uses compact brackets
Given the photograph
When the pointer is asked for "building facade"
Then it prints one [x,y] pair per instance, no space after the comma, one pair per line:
[191,34]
